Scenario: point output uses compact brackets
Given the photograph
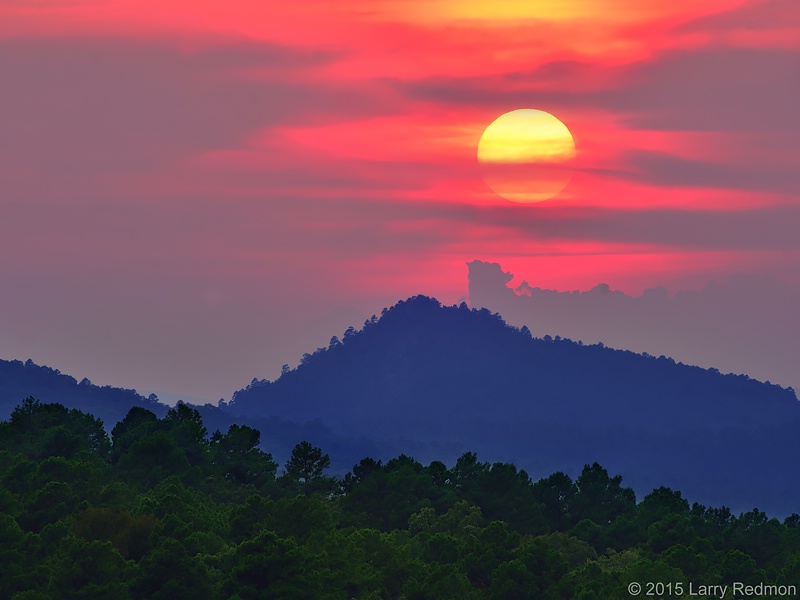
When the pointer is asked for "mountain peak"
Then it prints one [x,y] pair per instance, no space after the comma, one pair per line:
[440,380]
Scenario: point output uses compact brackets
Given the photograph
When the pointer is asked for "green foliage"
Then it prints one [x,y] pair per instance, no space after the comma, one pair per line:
[138,423]
[185,426]
[360,473]
[738,566]
[690,562]
[556,494]
[129,534]
[659,503]
[236,455]
[49,504]
[576,552]
[168,512]
[534,571]
[87,569]
[270,567]
[671,530]
[182,510]
[387,496]
[300,517]
[16,548]
[306,463]
[171,572]
[601,498]
[467,471]
[504,493]
[38,430]
[153,458]
[247,518]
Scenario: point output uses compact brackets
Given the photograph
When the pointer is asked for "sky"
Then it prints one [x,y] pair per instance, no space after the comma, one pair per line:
[193,194]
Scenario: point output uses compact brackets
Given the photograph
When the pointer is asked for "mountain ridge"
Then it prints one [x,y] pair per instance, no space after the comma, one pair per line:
[19,380]
[418,344]
[436,381]
[441,380]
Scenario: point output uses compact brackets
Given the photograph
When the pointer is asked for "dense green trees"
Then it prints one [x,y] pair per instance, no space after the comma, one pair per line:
[306,463]
[40,430]
[236,455]
[164,510]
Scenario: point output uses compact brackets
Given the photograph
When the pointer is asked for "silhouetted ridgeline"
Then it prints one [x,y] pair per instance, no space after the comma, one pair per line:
[19,380]
[434,382]
[437,381]
[715,326]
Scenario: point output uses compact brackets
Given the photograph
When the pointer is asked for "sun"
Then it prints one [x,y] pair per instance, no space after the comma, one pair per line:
[526,155]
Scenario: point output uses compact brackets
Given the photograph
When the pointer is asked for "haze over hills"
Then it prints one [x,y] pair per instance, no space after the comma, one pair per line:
[434,382]
[425,361]
[437,381]
[19,380]
[743,324]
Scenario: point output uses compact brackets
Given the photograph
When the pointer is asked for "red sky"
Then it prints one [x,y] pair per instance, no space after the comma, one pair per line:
[193,194]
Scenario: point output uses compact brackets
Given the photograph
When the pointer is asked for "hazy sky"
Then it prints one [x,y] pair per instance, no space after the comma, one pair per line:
[194,193]
[746,324]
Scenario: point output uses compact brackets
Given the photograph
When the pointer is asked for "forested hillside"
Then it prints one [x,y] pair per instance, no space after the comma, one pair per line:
[19,380]
[160,509]
[110,404]
[438,381]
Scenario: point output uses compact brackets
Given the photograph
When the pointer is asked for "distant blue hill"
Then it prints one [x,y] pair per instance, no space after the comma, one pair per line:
[19,380]
[435,381]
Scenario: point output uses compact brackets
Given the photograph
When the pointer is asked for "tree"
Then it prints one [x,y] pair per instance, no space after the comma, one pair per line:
[504,493]
[440,476]
[151,459]
[186,427]
[388,496]
[136,424]
[467,471]
[39,430]
[236,454]
[171,572]
[659,503]
[129,534]
[601,498]
[555,493]
[86,569]
[19,572]
[306,463]
[270,567]
[360,472]
[187,424]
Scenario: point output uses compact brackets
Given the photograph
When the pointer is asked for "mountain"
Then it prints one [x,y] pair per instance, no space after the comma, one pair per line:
[19,380]
[436,381]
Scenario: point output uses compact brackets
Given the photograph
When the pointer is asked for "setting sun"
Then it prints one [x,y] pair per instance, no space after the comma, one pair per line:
[525,155]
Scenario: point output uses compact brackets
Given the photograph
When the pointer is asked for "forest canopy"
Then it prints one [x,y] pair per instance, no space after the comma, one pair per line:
[162,508]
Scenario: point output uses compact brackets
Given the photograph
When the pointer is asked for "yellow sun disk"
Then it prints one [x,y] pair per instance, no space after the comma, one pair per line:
[526,155]
[480,10]
[526,135]
[503,12]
